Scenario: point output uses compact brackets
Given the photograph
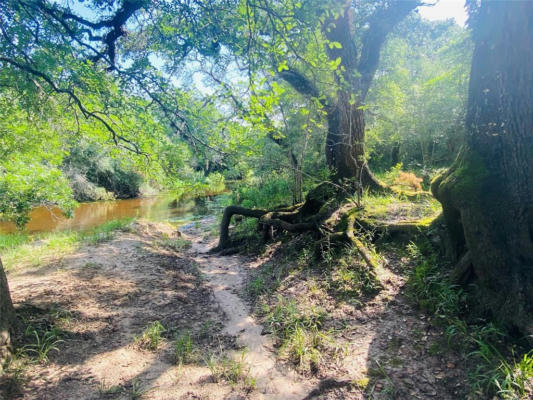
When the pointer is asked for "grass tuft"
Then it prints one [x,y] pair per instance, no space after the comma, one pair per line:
[43,345]
[184,348]
[151,336]
[299,333]
[234,371]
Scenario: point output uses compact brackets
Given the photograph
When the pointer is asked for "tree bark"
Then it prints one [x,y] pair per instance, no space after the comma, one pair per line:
[345,140]
[229,212]
[487,194]
[7,317]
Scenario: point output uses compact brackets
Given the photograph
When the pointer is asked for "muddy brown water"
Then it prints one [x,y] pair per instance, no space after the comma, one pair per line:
[89,215]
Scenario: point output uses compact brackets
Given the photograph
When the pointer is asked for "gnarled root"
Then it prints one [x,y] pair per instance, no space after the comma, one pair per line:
[230,211]
[363,251]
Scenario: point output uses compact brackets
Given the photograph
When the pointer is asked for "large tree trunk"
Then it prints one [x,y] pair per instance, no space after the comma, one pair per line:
[345,143]
[7,317]
[345,149]
[487,194]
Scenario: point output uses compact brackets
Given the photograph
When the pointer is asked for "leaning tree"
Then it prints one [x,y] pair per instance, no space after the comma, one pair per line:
[487,194]
[351,35]
[354,45]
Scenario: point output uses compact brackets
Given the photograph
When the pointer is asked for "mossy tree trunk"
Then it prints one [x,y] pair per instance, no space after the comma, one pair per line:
[487,194]
[7,317]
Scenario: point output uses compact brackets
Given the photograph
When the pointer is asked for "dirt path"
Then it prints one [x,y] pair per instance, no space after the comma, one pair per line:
[226,277]
[101,299]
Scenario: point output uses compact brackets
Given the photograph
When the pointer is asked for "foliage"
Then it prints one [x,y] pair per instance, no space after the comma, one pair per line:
[235,371]
[23,185]
[184,348]
[264,192]
[418,100]
[43,344]
[96,164]
[299,334]
[350,278]
[493,366]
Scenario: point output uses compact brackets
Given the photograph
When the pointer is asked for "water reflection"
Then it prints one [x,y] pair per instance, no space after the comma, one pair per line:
[88,215]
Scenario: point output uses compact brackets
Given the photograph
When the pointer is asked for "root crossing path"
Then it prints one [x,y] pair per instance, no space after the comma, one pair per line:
[226,277]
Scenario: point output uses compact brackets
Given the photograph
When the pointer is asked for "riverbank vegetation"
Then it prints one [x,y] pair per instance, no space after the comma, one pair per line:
[377,168]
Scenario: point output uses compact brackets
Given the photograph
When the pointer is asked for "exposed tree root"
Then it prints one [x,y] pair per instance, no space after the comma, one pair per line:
[363,251]
[317,214]
[230,211]
[463,270]
[324,212]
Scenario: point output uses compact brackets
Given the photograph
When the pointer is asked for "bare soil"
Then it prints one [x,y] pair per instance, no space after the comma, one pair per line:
[103,297]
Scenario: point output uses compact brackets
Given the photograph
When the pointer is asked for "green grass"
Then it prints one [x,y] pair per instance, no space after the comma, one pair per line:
[13,377]
[349,277]
[234,371]
[176,244]
[184,348]
[299,334]
[137,390]
[106,231]
[395,207]
[151,336]
[494,368]
[44,343]
[22,250]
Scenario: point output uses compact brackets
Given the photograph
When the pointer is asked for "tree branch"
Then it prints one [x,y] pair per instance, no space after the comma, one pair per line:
[117,138]
[381,24]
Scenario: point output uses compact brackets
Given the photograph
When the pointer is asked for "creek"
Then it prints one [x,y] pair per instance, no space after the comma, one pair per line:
[161,208]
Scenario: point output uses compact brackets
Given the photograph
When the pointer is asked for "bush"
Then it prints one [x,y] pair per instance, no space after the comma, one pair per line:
[95,175]
[265,192]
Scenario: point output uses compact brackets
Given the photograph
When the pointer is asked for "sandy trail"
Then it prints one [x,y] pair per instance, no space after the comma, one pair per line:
[110,292]
[226,276]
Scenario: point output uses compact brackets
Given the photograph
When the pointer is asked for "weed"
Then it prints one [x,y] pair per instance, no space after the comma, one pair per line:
[13,376]
[151,336]
[137,390]
[205,328]
[106,231]
[257,286]
[231,370]
[299,335]
[350,278]
[361,383]
[178,244]
[516,378]
[43,345]
[491,371]
[184,348]
[106,389]
[61,317]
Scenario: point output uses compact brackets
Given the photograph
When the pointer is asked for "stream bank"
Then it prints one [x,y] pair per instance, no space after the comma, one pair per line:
[148,313]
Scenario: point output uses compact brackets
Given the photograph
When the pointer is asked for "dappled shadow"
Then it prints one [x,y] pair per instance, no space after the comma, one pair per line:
[384,347]
[100,301]
[394,351]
